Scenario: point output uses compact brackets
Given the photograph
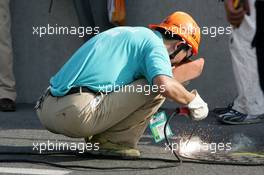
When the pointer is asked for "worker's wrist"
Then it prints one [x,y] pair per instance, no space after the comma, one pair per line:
[191,96]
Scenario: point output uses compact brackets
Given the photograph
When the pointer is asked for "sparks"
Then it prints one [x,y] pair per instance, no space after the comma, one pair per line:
[191,146]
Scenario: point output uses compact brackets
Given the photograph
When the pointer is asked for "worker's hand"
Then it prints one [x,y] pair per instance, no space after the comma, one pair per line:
[198,108]
[236,16]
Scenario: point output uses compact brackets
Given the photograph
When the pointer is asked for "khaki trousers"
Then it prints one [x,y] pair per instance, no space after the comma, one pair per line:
[120,117]
[7,81]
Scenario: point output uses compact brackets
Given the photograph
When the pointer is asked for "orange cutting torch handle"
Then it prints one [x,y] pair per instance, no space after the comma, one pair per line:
[183,111]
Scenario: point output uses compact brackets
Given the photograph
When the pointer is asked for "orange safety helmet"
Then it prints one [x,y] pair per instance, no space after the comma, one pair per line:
[182,24]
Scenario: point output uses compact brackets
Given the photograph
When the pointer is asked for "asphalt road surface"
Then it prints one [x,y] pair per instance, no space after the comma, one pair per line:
[21,133]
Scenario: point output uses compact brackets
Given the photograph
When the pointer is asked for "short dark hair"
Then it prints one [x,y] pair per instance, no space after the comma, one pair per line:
[168,35]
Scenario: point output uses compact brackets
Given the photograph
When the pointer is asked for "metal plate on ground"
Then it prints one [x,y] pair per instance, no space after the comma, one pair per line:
[245,158]
[212,142]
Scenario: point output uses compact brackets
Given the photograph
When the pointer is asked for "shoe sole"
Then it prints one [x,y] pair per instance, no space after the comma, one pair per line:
[7,110]
[112,154]
[243,123]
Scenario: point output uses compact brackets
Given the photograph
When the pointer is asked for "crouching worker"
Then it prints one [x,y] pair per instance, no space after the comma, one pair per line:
[100,94]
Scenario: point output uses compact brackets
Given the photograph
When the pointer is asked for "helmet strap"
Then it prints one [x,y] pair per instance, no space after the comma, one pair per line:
[182,46]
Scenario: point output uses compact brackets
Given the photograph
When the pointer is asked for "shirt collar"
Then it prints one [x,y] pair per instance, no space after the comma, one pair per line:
[158,34]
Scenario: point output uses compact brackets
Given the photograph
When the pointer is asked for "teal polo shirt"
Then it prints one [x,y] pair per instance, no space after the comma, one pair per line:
[114,58]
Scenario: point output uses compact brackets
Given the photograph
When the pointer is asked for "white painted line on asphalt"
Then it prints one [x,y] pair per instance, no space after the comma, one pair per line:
[10,170]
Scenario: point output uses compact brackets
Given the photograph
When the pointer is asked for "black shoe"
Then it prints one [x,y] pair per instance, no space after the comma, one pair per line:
[237,118]
[220,111]
[7,105]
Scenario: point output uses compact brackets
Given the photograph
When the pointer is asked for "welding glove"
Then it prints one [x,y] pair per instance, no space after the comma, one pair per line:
[198,108]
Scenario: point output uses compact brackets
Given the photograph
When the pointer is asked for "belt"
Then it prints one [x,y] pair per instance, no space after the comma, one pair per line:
[71,91]
[75,90]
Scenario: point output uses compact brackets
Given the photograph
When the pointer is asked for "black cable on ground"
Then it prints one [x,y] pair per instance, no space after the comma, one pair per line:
[83,167]
[167,140]
[50,6]
[170,163]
